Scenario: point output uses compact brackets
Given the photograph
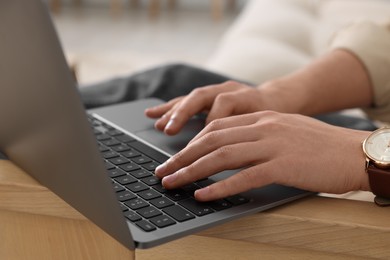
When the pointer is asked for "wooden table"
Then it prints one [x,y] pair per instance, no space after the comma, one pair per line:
[35,224]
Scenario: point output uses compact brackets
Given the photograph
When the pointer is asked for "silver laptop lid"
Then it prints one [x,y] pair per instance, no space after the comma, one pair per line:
[43,124]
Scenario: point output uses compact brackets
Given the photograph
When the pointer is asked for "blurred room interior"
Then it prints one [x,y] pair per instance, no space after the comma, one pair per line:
[104,39]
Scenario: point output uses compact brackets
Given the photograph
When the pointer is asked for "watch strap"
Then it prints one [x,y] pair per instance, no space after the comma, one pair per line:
[379,181]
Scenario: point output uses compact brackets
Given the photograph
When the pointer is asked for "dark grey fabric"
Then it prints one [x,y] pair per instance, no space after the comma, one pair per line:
[165,82]
[173,80]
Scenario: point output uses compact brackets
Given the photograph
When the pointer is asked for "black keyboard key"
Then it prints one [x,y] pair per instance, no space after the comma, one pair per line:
[102,137]
[178,213]
[117,187]
[151,180]
[176,195]
[120,148]
[137,187]
[141,159]
[110,142]
[149,194]
[198,208]
[132,216]
[109,154]
[160,188]
[149,151]
[109,166]
[129,167]
[145,225]
[126,179]
[130,153]
[136,204]
[162,221]
[161,202]
[220,205]
[190,188]
[125,195]
[140,173]
[237,200]
[149,212]
[123,207]
[118,160]
[115,173]
[150,166]
[103,148]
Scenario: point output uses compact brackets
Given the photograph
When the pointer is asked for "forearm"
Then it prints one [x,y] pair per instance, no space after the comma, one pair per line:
[337,80]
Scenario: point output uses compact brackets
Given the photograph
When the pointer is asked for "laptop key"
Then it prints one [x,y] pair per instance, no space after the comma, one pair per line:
[141,159]
[162,221]
[109,154]
[118,160]
[151,180]
[150,166]
[161,202]
[131,153]
[178,213]
[126,179]
[140,173]
[115,173]
[198,208]
[109,165]
[120,148]
[136,204]
[132,216]
[219,205]
[125,195]
[117,187]
[111,142]
[176,195]
[129,167]
[149,194]
[145,225]
[237,200]
[137,187]
[149,212]
[160,188]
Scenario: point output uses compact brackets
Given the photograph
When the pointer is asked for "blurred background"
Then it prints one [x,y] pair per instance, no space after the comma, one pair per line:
[107,38]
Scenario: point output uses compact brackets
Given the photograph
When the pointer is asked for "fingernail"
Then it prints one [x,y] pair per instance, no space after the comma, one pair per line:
[169,179]
[169,124]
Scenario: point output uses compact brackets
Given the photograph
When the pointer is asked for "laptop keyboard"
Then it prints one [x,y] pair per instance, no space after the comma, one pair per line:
[144,201]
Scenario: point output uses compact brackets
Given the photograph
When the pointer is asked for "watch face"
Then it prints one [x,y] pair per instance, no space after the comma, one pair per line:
[377,147]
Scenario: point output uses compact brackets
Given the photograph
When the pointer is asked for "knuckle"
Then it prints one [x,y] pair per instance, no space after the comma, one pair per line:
[224,153]
[200,91]
[215,124]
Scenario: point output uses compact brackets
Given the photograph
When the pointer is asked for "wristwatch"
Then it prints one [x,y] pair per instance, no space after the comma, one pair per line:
[377,150]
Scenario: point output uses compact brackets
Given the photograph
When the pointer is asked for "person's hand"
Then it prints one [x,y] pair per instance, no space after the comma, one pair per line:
[218,101]
[270,147]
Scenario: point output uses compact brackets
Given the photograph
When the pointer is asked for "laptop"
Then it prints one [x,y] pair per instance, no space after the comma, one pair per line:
[101,161]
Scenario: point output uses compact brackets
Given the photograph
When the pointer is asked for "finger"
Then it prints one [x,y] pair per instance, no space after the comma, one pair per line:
[160,110]
[224,158]
[226,123]
[197,101]
[247,179]
[223,106]
[204,147]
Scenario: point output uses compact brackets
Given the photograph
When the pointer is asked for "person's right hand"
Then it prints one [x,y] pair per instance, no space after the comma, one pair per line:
[218,101]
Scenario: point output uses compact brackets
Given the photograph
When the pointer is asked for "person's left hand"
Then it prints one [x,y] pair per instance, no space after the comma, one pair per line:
[270,147]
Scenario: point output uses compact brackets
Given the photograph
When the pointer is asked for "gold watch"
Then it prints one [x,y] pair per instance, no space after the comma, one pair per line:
[377,150]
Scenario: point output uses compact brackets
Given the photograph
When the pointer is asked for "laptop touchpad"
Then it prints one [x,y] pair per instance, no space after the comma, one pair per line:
[172,144]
